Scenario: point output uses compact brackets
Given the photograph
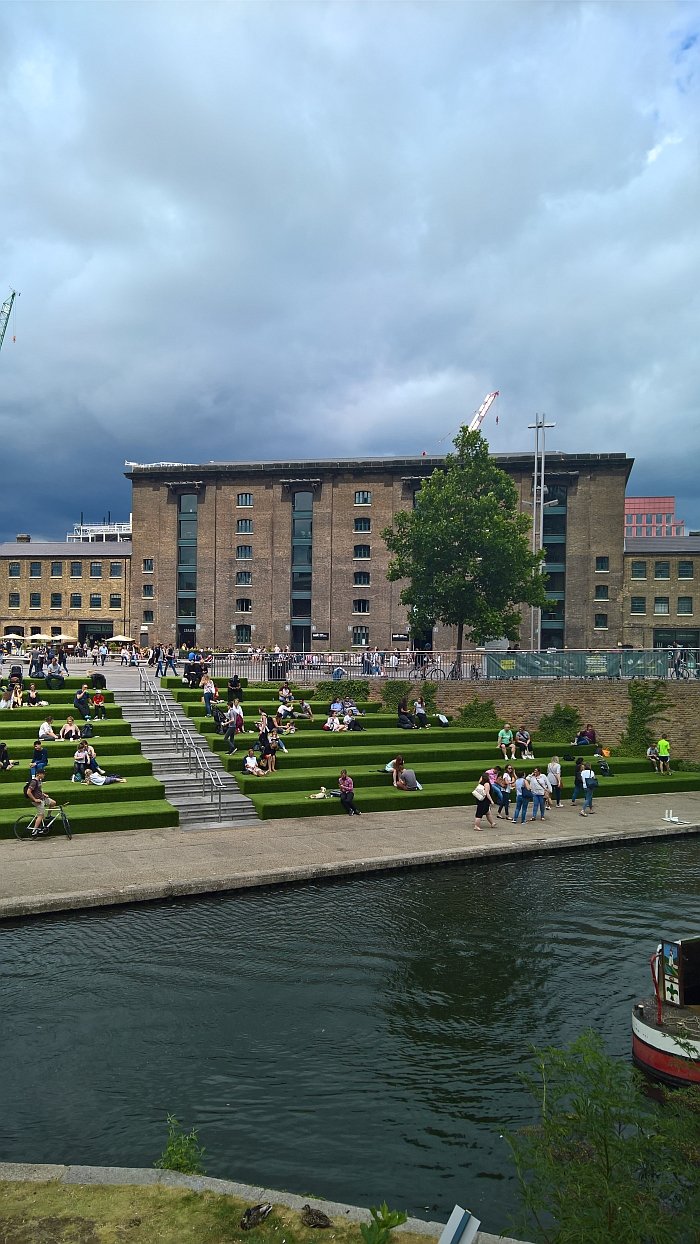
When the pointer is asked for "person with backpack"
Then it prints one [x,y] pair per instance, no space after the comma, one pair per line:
[590,782]
[81,702]
[34,791]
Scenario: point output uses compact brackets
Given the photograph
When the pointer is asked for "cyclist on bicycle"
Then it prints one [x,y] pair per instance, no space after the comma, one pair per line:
[35,792]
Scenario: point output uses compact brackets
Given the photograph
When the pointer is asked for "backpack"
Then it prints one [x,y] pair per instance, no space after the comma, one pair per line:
[442,719]
[86,730]
[605,769]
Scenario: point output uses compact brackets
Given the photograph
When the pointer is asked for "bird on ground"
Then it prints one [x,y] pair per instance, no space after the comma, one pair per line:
[254,1215]
[314,1217]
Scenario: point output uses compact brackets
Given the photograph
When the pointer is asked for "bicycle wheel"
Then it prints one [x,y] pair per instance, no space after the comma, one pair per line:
[24,826]
[66,824]
[436,674]
[415,675]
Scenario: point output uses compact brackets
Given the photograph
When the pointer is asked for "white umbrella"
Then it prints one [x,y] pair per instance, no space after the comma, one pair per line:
[40,639]
[13,635]
[66,639]
[119,639]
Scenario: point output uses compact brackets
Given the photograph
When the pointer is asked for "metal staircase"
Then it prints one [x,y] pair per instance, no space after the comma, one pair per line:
[195,780]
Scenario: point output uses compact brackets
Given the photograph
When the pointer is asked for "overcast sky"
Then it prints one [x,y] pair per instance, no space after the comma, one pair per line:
[266,231]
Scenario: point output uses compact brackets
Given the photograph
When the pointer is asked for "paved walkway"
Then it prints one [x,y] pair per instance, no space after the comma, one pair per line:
[100,869]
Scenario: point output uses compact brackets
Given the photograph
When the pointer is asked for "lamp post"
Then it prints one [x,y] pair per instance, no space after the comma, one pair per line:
[538,504]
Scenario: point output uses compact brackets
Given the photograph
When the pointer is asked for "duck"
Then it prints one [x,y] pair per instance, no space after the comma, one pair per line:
[314,1217]
[254,1215]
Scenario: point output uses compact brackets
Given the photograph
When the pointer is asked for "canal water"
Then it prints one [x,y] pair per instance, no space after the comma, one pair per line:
[358,1040]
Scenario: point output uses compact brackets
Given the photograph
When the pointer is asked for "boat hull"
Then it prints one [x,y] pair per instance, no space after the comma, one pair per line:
[658,1053]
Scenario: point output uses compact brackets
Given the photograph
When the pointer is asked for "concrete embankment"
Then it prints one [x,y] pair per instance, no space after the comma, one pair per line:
[123,1176]
[98,870]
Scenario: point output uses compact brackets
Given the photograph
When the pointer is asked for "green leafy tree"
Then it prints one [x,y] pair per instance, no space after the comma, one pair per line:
[605,1164]
[464,549]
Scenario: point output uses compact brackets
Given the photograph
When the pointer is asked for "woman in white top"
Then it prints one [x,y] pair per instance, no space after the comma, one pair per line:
[420,714]
[554,775]
[588,779]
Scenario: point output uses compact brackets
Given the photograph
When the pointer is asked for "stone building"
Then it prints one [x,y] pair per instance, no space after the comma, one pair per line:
[227,554]
[661,604]
[61,588]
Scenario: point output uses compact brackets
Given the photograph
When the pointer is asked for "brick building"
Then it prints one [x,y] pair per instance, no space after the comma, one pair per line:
[661,603]
[61,588]
[227,554]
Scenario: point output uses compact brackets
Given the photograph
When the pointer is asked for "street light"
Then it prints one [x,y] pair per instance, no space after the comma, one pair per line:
[538,507]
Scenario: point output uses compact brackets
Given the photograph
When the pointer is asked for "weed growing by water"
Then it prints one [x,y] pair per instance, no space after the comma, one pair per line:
[183,1151]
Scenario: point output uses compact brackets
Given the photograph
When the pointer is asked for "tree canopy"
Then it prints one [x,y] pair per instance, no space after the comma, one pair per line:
[464,550]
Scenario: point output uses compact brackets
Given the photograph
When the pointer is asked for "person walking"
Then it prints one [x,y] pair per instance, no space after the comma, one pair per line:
[554,775]
[578,781]
[537,790]
[590,782]
[210,692]
[484,802]
[508,778]
[347,793]
[522,799]
[170,659]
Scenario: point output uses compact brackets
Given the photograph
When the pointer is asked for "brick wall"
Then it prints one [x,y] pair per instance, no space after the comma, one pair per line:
[606,705]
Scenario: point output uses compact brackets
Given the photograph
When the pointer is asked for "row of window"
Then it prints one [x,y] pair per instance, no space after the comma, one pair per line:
[360,552]
[653,531]
[36,569]
[245,499]
[648,518]
[245,605]
[662,604]
[662,570]
[244,633]
[75,600]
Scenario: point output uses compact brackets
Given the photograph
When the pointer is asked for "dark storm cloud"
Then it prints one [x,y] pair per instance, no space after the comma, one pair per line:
[279,230]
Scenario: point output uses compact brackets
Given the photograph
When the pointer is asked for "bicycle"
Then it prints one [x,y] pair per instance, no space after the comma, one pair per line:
[25,830]
[423,673]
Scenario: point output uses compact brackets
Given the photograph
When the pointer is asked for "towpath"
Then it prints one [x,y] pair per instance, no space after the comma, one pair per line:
[97,870]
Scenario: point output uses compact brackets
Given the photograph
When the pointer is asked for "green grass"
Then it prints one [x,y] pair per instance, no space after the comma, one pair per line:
[134,790]
[96,818]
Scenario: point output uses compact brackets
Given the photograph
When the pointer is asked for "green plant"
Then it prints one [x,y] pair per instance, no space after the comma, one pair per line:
[480,713]
[605,1164]
[648,701]
[183,1151]
[687,766]
[384,1220]
[356,688]
[563,723]
[396,690]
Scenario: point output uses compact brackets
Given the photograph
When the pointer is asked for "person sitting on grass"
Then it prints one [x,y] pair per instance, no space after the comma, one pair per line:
[39,758]
[506,742]
[84,758]
[333,723]
[97,705]
[6,698]
[251,765]
[404,718]
[285,695]
[234,690]
[81,702]
[403,778]
[101,779]
[305,710]
[17,694]
[347,793]
[523,741]
[69,732]
[420,713]
[5,762]
[349,706]
[46,731]
[55,671]
[336,705]
[653,757]
[33,699]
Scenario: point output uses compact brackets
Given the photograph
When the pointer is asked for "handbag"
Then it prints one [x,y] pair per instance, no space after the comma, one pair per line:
[591,783]
[479,792]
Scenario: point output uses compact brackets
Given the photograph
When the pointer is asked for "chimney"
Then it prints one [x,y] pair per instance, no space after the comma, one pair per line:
[22,538]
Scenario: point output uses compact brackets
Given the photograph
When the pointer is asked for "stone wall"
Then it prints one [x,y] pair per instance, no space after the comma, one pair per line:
[606,705]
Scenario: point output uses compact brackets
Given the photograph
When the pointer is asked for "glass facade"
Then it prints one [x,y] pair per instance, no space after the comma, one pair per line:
[302,569]
[554,542]
[187,568]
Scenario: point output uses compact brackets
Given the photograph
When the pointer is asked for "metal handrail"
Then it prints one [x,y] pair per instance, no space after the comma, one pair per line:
[212,782]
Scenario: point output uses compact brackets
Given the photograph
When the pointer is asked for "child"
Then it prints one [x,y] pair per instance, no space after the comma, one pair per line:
[98,704]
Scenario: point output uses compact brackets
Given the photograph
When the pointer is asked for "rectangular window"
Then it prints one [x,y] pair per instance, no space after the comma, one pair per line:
[363,524]
[115,570]
[361,578]
[602,565]
[301,606]
[14,570]
[243,633]
[363,498]
[685,604]
[360,605]
[661,604]
[187,529]
[639,570]
[659,518]
[56,570]
[147,566]
[301,581]
[35,600]
[14,600]
[602,592]
[244,604]
[601,622]
[76,570]
[361,552]
[148,615]
[35,570]
[95,600]
[244,526]
[244,552]
[244,578]
[360,636]
[302,528]
[301,554]
[95,570]
[115,600]
[56,600]
[244,498]
[662,570]
[76,600]
[186,581]
[685,570]
[187,606]
[638,604]
[147,589]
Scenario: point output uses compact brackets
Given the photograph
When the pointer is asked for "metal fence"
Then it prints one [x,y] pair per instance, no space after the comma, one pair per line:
[448,666]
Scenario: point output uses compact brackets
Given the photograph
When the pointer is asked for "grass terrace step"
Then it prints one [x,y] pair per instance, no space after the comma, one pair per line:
[100,818]
[105,745]
[270,803]
[61,767]
[72,683]
[139,789]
